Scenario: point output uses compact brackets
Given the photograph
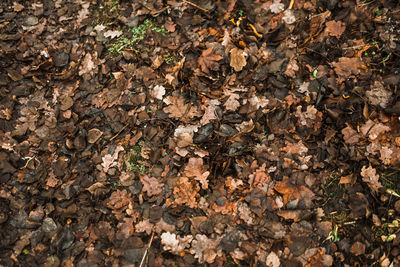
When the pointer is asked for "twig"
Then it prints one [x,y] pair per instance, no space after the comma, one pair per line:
[120,131]
[190,3]
[291,4]
[147,249]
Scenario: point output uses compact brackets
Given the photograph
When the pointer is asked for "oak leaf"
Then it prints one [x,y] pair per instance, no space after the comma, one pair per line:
[174,243]
[208,60]
[350,136]
[370,177]
[204,249]
[179,109]
[347,66]
[195,169]
[335,28]
[151,185]
[185,192]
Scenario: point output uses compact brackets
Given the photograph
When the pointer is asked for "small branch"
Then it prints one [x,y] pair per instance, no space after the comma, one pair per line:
[190,3]
[147,249]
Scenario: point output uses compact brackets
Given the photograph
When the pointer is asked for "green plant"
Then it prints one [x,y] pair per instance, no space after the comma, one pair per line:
[137,34]
[134,162]
[333,235]
[378,12]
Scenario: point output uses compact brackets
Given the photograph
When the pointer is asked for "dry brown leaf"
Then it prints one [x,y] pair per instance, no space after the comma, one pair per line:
[238,58]
[94,135]
[294,148]
[110,160]
[208,60]
[294,215]
[232,102]
[125,228]
[348,66]
[185,192]
[357,248]
[350,136]
[348,179]
[174,243]
[87,65]
[195,169]
[370,177]
[118,202]
[179,110]
[151,185]
[204,249]
[245,213]
[335,28]
[291,68]
[144,226]
[378,95]
[209,113]
[17,7]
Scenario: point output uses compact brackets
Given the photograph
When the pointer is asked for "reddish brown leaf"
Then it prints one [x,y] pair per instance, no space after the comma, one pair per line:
[208,60]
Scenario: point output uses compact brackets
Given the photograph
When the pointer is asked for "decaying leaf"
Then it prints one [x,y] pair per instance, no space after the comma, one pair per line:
[378,95]
[204,249]
[335,28]
[348,66]
[208,60]
[118,202]
[179,109]
[151,185]
[350,136]
[110,160]
[370,177]
[144,226]
[232,102]
[238,59]
[186,192]
[158,92]
[195,169]
[174,243]
[112,34]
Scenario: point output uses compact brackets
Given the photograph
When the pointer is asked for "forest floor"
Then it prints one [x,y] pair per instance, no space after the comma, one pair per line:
[199,133]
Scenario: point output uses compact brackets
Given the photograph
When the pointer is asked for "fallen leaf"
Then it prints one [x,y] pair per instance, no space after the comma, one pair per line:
[357,248]
[208,60]
[112,34]
[144,226]
[179,110]
[277,7]
[17,7]
[195,169]
[158,92]
[87,65]
[175,244]
[335,28]
[238,59]
[232,102]
[350,136]
[185,192]
[204,249]
[151,185]
[348,66]
[378,95]
[272,260]
[94,135]
[370,177]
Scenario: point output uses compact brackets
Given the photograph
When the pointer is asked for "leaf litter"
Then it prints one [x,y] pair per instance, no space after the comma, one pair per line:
[255,134]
